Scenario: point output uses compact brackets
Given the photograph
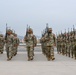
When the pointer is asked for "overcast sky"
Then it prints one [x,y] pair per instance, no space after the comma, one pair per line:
[59,14]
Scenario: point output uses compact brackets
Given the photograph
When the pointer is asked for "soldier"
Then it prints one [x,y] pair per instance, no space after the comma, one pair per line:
[75,45]
[9,44]
[31,42]
[72,43]
[43,45]
[15,44]
[59,44]
[50,42]
[2,42]
[68,44]
[63,46]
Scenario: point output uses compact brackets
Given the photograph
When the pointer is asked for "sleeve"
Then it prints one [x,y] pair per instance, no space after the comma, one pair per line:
[25,39]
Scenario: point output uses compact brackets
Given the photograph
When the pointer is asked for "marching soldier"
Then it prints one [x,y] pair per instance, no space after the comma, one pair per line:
[59,44]
[43,45]
[72,43]
[31,42]
[15,44]
[50,42]
[2,42]
[75,45]
[9,44]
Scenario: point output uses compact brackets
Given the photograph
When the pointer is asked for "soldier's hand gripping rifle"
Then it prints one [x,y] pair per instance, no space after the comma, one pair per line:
[26,36]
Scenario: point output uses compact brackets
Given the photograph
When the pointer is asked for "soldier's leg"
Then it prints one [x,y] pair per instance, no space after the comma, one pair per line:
[62,51]
[59,50]
[15,51]
[44,50]
[9,53]
[69,51]
[52,53]
[72,53]
[28,53]
[66,51]
[75,54]
[31,53]
[1,51]
[48,54]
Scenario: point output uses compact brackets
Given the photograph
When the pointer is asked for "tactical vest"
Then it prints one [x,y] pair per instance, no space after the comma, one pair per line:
[51,41]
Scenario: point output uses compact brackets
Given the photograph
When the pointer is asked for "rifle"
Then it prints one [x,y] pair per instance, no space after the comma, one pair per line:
[27,31]
[6,32]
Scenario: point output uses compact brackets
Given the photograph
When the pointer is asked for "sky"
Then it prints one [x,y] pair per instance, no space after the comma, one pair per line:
[59,14]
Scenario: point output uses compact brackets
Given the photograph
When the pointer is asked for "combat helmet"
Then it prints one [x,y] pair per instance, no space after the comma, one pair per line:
[30,31]
[9,31]
[49,29]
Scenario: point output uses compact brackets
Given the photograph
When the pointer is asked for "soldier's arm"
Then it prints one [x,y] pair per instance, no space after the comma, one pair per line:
[25,39]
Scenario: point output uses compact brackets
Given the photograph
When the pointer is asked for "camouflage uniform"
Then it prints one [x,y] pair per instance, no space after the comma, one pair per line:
[30,44]
[2,42]
[59,44]
[72,44]
[43,45]
[50,41]
[68,44]
[15,44]
[63,47]
[9,44]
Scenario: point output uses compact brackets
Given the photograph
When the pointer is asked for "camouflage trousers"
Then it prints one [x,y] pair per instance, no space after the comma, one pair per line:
[75,51]
[30,52]
[1,50]
[43,49]
[59,49]
[9,51]
[63,50]
[14,51]
[50,52]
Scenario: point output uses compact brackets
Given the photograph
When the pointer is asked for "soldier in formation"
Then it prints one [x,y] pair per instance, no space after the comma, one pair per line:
[31,41]
[66,43]
[15,44]
[48,41]
[12,43]
[2,42]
